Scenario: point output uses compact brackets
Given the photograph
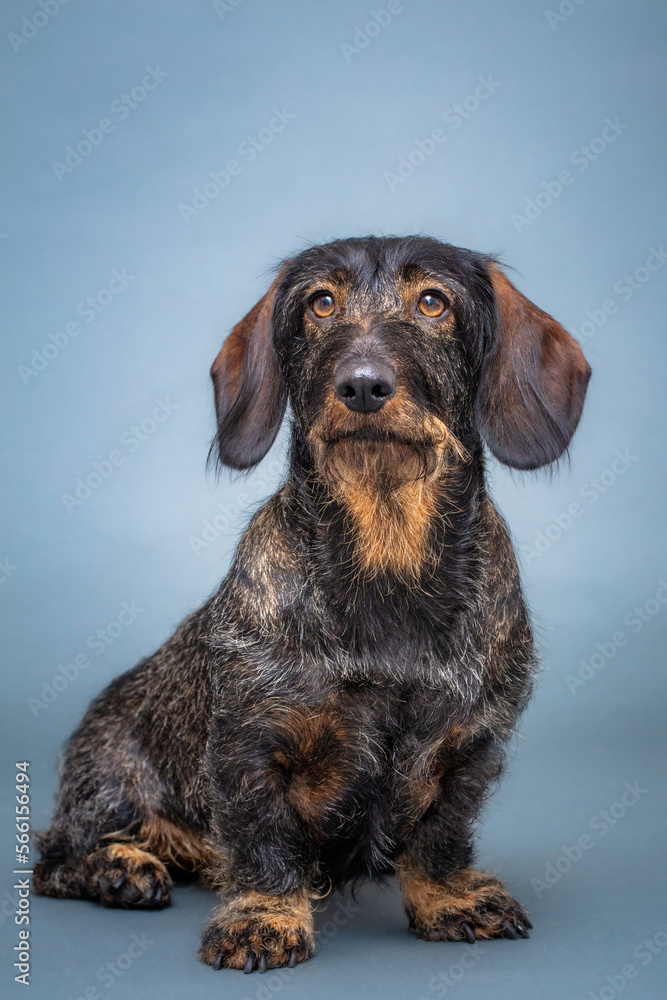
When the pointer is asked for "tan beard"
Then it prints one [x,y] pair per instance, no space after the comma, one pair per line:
[392,492]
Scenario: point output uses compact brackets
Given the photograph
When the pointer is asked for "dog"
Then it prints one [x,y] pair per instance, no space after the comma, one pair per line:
[339,709]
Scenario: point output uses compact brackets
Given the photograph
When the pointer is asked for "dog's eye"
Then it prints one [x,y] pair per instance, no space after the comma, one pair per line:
[323,305]
[431,304]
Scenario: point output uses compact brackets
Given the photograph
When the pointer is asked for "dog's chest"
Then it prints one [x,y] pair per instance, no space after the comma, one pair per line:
[365,763]
[396,639]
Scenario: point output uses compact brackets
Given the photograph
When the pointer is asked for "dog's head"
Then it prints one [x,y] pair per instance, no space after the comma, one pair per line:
[396,353]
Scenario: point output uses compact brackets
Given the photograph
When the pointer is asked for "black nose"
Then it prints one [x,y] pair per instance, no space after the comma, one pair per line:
[364,384]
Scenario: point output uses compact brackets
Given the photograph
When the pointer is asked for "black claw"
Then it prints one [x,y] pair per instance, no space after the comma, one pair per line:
[521,931]
[509,931]
[217,965]
[250,965]
[262,963]
[468,932]
[528,924]
[292,959]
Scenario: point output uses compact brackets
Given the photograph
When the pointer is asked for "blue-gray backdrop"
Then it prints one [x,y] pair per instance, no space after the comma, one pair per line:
[158,158]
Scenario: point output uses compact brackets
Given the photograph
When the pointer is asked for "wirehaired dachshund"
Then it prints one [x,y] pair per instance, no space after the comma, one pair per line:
[340,707]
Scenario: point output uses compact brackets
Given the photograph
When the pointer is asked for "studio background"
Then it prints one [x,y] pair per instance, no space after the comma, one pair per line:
[172,258]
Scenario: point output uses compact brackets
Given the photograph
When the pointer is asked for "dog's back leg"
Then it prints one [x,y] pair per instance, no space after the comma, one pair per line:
[128,868]
[131,799]
[120,874]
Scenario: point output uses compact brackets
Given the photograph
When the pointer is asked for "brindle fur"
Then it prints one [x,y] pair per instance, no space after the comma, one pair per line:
[341,706]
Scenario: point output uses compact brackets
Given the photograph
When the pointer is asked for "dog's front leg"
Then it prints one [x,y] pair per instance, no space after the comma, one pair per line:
[445,897]
[264,858]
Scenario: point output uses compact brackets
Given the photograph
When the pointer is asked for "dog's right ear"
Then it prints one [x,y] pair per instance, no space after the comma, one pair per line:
[250,394]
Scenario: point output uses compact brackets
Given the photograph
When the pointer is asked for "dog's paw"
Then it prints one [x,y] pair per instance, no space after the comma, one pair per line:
[253,931]
[472,906]
[124,875]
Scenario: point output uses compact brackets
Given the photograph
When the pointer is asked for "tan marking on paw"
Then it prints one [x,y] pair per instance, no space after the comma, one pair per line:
[252,924]
[437,911]
[125,875]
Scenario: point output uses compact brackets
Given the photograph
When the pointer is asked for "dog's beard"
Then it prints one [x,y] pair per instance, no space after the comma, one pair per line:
[382,457]
[379,467]
[391,491]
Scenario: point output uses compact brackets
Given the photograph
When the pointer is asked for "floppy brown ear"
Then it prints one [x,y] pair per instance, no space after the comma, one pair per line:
[533,382]
[250,394]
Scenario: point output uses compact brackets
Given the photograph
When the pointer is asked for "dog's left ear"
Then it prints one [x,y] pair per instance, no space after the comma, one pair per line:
[250,394]
[533,382]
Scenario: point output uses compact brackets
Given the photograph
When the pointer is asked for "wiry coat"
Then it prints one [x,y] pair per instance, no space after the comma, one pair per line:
[339,708]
